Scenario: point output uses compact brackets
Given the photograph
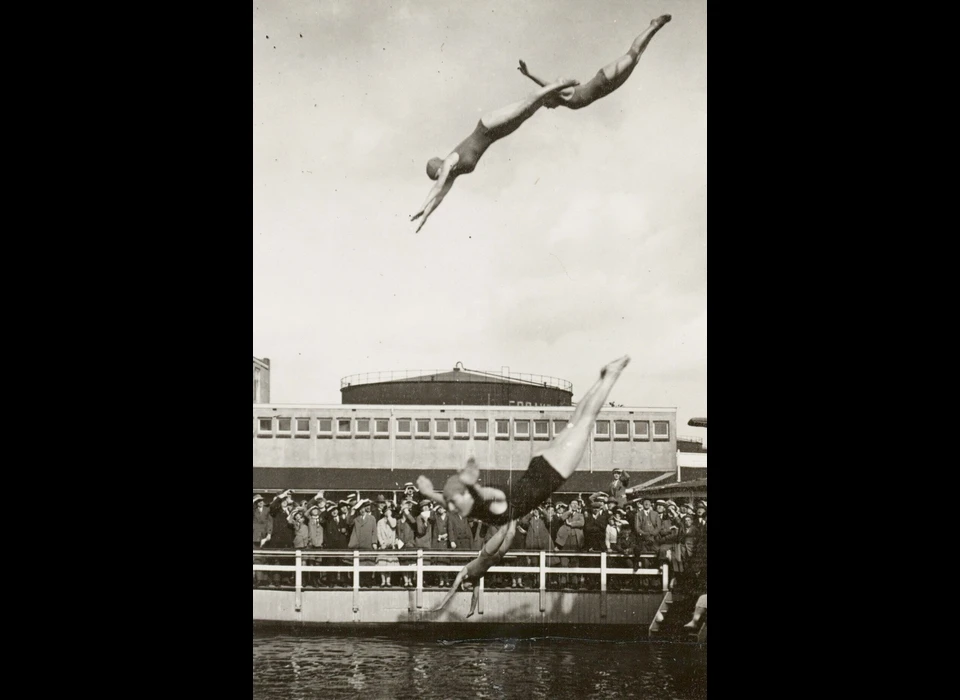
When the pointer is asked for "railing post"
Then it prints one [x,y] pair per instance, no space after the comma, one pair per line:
[356,580]
[666,577]
[298,582]
[543,581]
[603,584]
[480,597]
[603,572]
[419,578]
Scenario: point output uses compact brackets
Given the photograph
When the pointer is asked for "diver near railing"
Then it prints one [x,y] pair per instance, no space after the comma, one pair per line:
[491,555]
[547,471]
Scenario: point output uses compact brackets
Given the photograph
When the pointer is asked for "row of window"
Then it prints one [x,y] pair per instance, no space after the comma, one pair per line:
[456,428]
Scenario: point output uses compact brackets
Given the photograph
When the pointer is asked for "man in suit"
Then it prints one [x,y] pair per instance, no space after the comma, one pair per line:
[364,535]
[647,524]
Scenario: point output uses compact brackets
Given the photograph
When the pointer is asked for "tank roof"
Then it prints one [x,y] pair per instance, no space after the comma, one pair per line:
[457,374]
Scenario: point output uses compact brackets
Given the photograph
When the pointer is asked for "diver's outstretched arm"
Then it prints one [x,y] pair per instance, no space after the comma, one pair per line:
[438,191]
[453,589]
[523,69]
[508,119]
[496,499]
[426,489]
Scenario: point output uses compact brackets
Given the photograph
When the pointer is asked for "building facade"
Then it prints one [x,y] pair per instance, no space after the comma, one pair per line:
[261,380]
[380,447]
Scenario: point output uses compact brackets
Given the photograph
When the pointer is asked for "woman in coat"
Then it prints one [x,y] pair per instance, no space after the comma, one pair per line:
[387,541]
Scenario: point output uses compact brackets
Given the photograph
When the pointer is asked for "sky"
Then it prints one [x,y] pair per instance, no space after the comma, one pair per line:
[579,238]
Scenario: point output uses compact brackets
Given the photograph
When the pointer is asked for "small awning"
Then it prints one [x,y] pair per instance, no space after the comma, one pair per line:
[696,488]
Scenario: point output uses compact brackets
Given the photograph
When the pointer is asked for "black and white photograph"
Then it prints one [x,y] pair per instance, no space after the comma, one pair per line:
[480,349]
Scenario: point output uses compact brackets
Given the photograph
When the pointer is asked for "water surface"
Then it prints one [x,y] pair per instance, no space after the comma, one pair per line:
[325,666]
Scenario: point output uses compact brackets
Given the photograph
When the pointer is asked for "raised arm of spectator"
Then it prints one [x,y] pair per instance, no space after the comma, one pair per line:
[277,503]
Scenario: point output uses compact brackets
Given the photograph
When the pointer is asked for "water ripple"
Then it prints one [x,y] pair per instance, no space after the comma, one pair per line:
[330,667]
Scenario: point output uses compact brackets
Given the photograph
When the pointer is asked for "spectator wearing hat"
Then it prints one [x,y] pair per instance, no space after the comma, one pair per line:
[646,525]
[410,491]
[315,529]
[594,528]
[570,537]
[537,538]
[301,531]
[697,565]
[282,532]
[594,533]
[629,546]
[364,534]
[406,533]
[336,536]
[612,531]
[686,541]
[439,539]
[347,513]
[618,487]
[553,520]
[423,534]
[614,524]
[315,526]
[554,524]
[262,523]
[281,536]
[673,514]
[387,541]
[667,538]
[599,510]
[423,538]
[459,534]
[440,535]
[262,528]
[690,560]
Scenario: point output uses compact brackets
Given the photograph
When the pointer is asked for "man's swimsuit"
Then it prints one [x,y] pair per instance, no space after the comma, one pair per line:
[533,487]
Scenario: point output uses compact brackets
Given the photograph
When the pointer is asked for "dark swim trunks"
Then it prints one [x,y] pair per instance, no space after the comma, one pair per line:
[533,487]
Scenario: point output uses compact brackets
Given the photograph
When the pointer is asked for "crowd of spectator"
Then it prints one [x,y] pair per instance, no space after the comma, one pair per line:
[644,532]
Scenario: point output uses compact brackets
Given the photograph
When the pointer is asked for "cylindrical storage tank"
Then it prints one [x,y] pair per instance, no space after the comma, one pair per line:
[457,387]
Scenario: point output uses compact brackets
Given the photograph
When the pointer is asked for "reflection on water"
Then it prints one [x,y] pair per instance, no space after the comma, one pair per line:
[301,667]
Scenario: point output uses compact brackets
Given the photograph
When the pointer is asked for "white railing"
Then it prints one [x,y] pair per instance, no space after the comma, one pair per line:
[356,568]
